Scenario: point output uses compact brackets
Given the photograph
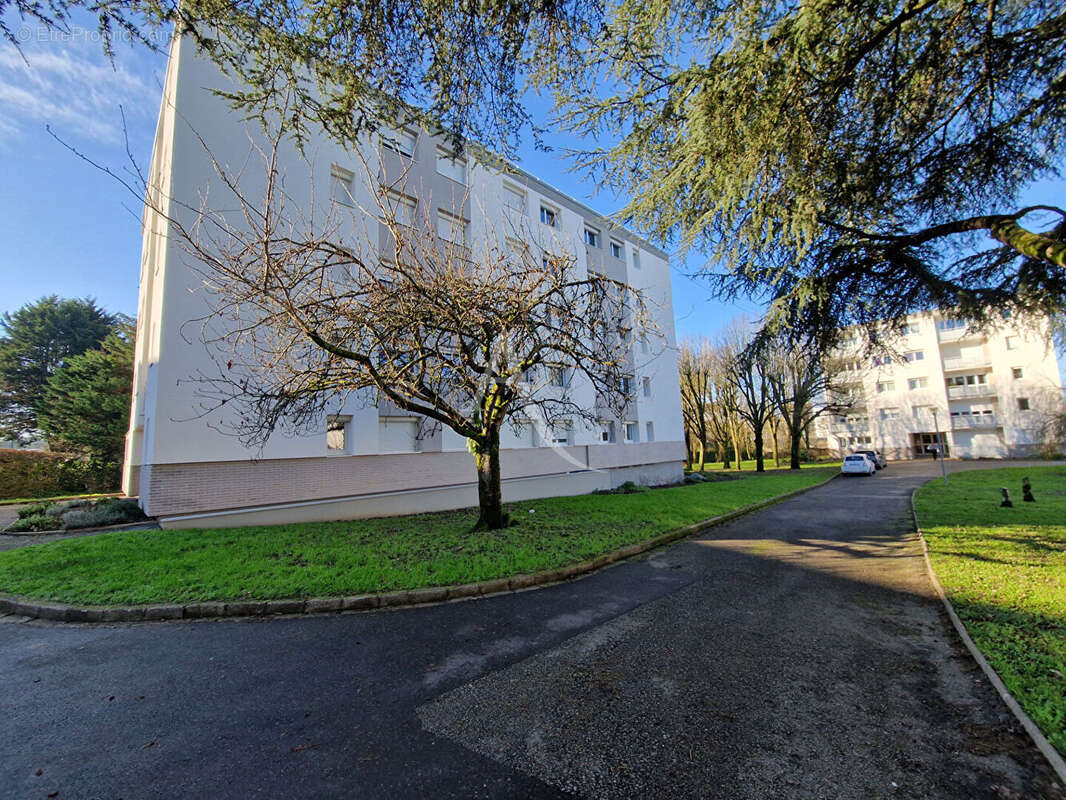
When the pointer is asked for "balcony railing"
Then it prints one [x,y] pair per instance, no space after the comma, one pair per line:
[956,364]
[975,390]
[958,334]
[964,421]
[849,427]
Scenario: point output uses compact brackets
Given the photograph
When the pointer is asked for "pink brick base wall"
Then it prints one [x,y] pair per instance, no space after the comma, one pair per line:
[214,486]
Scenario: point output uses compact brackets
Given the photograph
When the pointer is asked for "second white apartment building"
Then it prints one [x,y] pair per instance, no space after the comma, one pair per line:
[983,393]
[368,459]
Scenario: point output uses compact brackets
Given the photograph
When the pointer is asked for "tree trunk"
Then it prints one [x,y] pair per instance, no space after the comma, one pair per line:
[491,515]
[702,450]
[795,435]
[760,466]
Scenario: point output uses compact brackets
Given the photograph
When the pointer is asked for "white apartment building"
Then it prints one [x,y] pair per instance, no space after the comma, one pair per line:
[368,460]
[986,393]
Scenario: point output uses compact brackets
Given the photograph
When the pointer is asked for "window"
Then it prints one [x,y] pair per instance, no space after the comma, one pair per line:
[450,228]
[919,411]
[1016,372]
[646,383]
[917,383]
[625,385]
[967,380]
[616,250]
[882,361]
[592,237]
[910,329]
[529,375]
[516,252]
[889,413]
[338,434]
[397,434]
[650,428]
[636,259]
[1012,342]
[632,432]
[561,433]
[340,185]
[399,141]
[914,355]
[451,167]
[645,347]
[950,324]
[547,216]
[514,197]
[401,208]
[886,386]
[607,432]
[1023,403]
[559,377]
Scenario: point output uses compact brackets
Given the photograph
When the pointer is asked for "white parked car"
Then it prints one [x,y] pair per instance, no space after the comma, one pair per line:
[858,464]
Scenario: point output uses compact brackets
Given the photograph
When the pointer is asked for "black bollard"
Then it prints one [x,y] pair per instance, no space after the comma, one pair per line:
[1027,491]
[1006,499]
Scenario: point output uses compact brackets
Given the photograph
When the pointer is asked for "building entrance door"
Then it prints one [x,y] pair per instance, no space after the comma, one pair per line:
[924,445]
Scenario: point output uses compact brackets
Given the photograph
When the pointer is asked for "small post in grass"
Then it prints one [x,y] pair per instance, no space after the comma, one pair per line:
[1027,491]
[1006,499]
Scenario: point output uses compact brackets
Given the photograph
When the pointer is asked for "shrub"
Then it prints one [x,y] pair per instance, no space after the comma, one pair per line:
[109,511]
[36,473]
[74,514]
[60,508]
[39,522]
[33,510]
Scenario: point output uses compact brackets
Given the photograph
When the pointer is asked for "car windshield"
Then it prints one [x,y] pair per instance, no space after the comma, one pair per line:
[855,458]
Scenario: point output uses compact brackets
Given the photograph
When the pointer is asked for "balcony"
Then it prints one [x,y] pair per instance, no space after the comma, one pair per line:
[959,334]
[976,390]
[849,428]
[965,364]
[971,421]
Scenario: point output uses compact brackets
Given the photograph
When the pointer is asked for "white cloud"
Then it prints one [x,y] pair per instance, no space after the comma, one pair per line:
[71,86]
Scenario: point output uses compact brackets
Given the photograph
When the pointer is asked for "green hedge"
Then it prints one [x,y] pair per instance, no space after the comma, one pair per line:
[34,473]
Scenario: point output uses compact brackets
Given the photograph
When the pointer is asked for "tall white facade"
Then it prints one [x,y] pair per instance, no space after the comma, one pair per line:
[983,394]
[373,460]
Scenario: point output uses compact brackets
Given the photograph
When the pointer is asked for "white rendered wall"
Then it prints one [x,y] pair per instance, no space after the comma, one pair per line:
[169,426]
[1014,432]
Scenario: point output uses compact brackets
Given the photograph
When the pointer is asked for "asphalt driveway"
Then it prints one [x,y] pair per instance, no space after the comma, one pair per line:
[794,653]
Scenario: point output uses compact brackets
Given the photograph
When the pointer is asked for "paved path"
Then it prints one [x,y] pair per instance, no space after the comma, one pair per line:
[8,514]
[794,653]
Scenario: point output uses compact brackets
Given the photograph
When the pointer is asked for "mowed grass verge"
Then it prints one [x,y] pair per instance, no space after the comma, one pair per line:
[1004,570]
[749,465]
[365,556]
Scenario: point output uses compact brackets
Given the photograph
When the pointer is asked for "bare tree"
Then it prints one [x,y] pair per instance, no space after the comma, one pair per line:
[804,385]
[300,316]
[726,425]
[695,364]
[749,370]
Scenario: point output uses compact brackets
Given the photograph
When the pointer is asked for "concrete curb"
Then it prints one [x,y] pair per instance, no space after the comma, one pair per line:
[1037,735]
[366,602]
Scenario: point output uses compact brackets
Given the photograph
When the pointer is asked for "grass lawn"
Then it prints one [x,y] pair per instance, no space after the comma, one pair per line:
[1005,572]
[749,465]
[365,556]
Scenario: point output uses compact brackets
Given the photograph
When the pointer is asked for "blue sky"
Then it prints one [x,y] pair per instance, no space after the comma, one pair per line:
[68,229]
